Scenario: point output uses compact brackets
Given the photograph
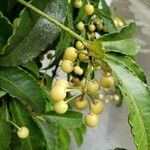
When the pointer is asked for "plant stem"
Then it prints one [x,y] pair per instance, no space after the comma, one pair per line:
[13,124]
[57,23]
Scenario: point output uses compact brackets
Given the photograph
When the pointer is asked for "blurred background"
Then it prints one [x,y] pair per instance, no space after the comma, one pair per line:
[114,130]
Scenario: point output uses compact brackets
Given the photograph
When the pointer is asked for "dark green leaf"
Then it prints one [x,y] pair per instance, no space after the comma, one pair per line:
[104,13]
[5,31]
[65,38]
[23,86]
[64,139]
[5,131]
[23,118]
[34,33]
[137,95]
[32,66]
[50,133]
[121,41]
[69,119]
[129,63]
[79,133]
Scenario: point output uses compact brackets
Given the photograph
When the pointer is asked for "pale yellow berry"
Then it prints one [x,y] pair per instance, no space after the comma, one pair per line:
[61,107]
[23,132]
[78,3]
[70,54]
[116,97]
[91,27]
[97,107]
[79,45]
[99,26]
[83,56]
[58,93]
[80,103]
[92,87]
[107,82]
[80,26]
[101,96]
[78,70]
[91,120]
[67,66]
[61,82]
[89,9]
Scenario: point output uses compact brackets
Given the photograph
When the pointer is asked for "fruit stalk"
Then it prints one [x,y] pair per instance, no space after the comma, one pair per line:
[50,19]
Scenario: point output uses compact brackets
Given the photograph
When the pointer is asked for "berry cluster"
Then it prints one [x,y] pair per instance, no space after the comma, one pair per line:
[81,66]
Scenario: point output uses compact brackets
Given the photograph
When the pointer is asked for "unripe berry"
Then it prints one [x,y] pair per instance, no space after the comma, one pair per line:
[75,81]
[80,103]
[67,66]
[91,27]
[78,3]
[70,53]
[58,93]
[61,107]
[79,45]
[116,97]
[97,107]
[23,132]
[78,70]
[89,9]
[80,26]
[92,87]
[107,82]
[83,56]
[62,83]
[91,120]
[99,26]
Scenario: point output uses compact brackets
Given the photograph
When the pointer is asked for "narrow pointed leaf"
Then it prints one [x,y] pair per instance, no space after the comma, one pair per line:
[22,117]
[34,33]
[121,41]
[69,119]
[129,63]
[5,132]
[137,95]
[23,86]
[50,133]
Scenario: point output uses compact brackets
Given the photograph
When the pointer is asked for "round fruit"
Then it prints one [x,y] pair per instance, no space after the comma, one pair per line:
[107,82]
[79,45]
[67,66]
[80,103]
[58,93]
[80,26]
[99,26]
[75,81]
[23,132]
[62,83]
[116,97]
[61,107]
[78,3]
[97,107]
[92,87]
[70,53]
[91,120]
[83,56]
[89,9]
[91,27]
[78,70]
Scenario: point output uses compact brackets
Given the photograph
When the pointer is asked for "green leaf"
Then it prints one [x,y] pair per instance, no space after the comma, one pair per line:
[69,119]
[5,31]
[2,93]
[5,132]
[50,133]
[64,139]
[79,133]
[121,41]
[104,13]
[23,86]
[137,95]
[23,118]
[34,33]
[65,39]
[31,66]
[129,63]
